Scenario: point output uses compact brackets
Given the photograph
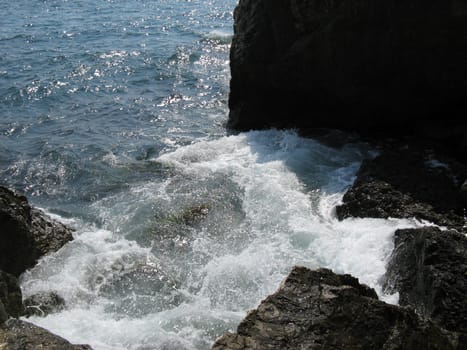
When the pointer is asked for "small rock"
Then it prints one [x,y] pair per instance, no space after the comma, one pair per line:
[43,304]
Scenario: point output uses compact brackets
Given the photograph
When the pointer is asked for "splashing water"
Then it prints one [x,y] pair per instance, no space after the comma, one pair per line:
[113,118]
[180,261]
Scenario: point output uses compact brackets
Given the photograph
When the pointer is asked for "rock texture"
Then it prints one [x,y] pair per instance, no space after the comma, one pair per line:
[383,65]
[10,297]
[464,192]
[27,233]
[406,182]
[429,270]
[322,310]
[20,335]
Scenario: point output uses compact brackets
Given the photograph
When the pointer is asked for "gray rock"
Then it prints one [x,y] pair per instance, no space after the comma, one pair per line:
[10,297]
[20,335]
[43,304]
[429,270]
[322,310]
[27,233]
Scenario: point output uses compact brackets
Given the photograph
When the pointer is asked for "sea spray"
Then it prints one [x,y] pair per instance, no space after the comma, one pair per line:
[151,279]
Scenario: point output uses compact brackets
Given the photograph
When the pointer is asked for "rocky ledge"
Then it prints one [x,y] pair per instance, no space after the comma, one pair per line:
[409,180]
[26,235]
[322,310]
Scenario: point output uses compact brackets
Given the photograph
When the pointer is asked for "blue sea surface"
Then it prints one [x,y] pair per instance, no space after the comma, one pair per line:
[124,78]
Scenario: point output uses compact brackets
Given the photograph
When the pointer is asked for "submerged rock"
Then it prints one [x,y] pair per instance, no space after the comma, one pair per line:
[27,233]
[191,215]
[380,66]
[138,289]
[407,183]
[43,304]
[20,335]
[322,310]
[429,270]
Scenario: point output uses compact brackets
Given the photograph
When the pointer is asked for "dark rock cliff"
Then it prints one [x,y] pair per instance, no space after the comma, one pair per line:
[367,66]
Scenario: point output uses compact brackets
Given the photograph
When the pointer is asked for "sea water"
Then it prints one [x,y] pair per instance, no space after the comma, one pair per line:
[112,119]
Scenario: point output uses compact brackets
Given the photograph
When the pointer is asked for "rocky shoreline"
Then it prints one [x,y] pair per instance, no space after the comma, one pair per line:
[26,235]
[354,66]
[322,310]
[388,72]
[313,310]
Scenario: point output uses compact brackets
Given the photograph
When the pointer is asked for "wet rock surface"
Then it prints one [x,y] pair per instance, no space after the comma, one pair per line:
[27,233]
[322,310]
[21,335]
[429,270]
[10,297]
[428,266]
[43,304]
[408,182]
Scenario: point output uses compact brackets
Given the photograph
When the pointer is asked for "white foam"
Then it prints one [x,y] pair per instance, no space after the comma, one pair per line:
[288,188]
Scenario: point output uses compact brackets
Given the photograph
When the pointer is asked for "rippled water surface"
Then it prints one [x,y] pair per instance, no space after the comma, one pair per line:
[112,120]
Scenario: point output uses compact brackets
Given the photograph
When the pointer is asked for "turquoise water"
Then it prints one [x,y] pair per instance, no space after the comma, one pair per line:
[112,119]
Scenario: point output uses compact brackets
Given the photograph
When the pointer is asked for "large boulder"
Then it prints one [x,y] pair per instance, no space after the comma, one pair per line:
[382,65]
[429,270]
[27,233]
[21,335]
[408,181]
[322,310]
